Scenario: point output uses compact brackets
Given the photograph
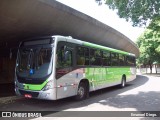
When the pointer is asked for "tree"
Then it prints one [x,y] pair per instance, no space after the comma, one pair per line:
[139,12]
[155,25]
[149,45]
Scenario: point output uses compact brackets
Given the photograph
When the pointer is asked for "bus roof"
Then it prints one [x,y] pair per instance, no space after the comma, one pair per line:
[106,48]
[80,42]
[70,39]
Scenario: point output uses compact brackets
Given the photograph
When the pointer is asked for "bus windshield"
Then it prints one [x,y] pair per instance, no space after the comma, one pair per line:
[34,62]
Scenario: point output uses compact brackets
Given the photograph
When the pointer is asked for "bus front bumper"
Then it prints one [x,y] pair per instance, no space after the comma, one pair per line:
[46,95]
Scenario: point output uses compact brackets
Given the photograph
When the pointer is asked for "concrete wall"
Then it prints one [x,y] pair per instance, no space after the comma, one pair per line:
[7,66]
[22,19]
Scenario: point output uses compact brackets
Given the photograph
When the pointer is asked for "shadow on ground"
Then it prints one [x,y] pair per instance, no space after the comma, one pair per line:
[143,101]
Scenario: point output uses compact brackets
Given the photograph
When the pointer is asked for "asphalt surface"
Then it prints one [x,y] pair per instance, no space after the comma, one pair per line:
[142,94]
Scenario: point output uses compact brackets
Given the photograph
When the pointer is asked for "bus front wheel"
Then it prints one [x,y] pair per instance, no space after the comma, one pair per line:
[82,91]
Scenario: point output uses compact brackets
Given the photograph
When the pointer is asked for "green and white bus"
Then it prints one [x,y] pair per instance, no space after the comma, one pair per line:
[57,67]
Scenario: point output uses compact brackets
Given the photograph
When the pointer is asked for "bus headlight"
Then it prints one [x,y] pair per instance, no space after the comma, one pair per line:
[48,86]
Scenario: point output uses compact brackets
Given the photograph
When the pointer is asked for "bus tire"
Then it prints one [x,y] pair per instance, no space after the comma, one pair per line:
[82,91]
[123,82]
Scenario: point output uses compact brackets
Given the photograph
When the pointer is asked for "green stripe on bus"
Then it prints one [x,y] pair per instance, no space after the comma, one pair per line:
[35,87]
[104,48]
[106,75]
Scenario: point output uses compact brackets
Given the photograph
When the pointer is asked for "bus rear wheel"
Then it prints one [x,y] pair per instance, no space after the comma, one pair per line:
[82,91]
[123,82]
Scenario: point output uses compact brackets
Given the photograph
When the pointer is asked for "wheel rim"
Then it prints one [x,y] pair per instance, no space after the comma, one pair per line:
[123,82]
[81,92]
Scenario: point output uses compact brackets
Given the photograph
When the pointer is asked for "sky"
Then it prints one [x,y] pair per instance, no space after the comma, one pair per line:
[105,15]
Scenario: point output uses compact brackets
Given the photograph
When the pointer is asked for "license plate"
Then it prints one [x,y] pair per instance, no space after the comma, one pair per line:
[28,96]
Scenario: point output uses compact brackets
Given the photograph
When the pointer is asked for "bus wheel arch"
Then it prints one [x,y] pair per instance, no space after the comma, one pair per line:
[83,90]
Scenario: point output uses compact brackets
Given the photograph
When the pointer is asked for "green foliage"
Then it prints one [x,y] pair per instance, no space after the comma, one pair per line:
[155,25]
[136,11]
[149,45]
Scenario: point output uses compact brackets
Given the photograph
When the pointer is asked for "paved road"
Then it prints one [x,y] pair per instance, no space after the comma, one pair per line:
[142,94]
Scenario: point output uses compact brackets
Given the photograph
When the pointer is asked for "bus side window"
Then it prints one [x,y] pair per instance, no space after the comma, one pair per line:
[121,60]
[115,59]
[82,56]
[64,58]
[130,61]
[106,58]
[95,57]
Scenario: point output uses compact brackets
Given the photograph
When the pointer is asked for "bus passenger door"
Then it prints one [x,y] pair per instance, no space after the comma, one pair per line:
[64,71]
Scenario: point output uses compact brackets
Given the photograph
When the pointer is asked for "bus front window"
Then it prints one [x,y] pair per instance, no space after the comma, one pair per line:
[34,62]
